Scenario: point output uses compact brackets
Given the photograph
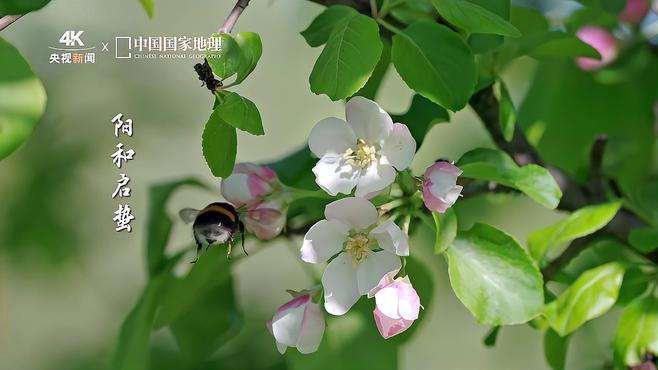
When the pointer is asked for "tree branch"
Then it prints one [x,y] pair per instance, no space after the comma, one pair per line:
[7,20]
[233,16]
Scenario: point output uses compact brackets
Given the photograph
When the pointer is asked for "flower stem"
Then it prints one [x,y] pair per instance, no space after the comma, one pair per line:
[232,18]
[373,9]
[389,26]
[425,219]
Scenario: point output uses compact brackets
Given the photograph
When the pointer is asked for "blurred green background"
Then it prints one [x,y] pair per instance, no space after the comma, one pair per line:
[67,280]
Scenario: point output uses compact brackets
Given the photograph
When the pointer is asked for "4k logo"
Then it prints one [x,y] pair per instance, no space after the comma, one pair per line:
[72,38]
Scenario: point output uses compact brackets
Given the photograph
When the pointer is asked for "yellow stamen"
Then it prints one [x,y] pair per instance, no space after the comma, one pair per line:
[357,247]
[363,156]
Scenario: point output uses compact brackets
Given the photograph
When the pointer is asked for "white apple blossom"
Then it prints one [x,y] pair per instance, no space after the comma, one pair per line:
[298,323]
[365,152]
[362,251]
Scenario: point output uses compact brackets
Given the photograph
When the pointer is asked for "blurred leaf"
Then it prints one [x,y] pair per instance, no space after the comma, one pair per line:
[21,6]
[555,349]
[435,62]
[183,295]
[590,296]
[370,89]
[492,337]
[580,223]
[494,277]
[558,45]
[446,230]
[637,332]
[220,145]
[644,239]
[507,112]
[251,49]
[131,352]
[239,112]
[22,98]
[410,11]
[473,18]
[348,58]
[158,224]
[211,321]
[226,61]
[148,7]
[494,165]
[352,342]
[295,168]
[481,43]
[421,116]
[317,33]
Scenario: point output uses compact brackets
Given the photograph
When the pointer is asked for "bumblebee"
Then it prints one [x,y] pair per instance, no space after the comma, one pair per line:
[206,76]
[219,222]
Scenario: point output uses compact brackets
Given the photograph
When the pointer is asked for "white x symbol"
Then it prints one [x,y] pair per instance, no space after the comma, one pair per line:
[105,46]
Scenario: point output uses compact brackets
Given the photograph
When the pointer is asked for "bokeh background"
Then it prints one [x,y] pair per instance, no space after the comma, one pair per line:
[67,279]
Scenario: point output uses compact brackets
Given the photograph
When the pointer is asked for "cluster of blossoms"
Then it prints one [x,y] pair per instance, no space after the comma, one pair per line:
[603,41]
[359,157]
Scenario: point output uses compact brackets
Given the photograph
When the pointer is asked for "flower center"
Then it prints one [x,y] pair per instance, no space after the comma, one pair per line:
[362,156]
[357,247]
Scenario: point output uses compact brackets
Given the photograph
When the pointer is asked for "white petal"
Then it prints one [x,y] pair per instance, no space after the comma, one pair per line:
[323,240]
[287,324]
[334,175]
[399,147]
[391,238]
[339,283]
[281,347]
[356,213]
[387,302]
[368,120]
[442,182]
[235,189]
[375,178]
[370,271]
[331,136]
[312,329]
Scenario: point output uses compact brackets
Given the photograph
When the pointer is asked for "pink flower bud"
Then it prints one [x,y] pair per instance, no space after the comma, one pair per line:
[265,219]
[440,189]
[248,184]
[601,40]
[634,11]
[398,305]
[298,323]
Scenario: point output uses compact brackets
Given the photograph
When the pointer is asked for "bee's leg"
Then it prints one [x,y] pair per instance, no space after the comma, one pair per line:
[229,248]
[241,226]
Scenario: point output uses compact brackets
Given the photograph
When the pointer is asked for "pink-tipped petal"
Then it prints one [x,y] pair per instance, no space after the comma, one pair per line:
[388,327]
[634,11]
[601,40]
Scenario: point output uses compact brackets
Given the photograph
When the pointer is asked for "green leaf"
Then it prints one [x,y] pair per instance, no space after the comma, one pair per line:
[494,277]
[239,112]
[473,18]
[370,89]
[507,112]
[251,48]
[637,332]
[589,297]
[226,61]
[295,168]
[491,337]
[494,165]
[558,45]
[158,224]
[148,7]
[22,99]
[21,6]
[580,223]
[421,116]
[348,59]
[482,43]
[446,230]
[555,349]
[644,239]
[318,32]
[220,145]
[132,349]
[435,62]
[212,320]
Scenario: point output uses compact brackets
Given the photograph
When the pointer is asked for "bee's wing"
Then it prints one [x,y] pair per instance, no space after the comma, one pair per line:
[188,214]
[265,216]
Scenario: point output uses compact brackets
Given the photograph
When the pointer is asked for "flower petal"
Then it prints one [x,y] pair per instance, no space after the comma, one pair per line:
[235,189]
[323,240]
[383,283]
[399,147]
[368,120]
[287,324]
[331,136]
[371,271]
[388,327]
[356,213]
[312,329]
[339,283]
[334,175]
[391,238]
[408,301]
[387,302]
[375,178]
